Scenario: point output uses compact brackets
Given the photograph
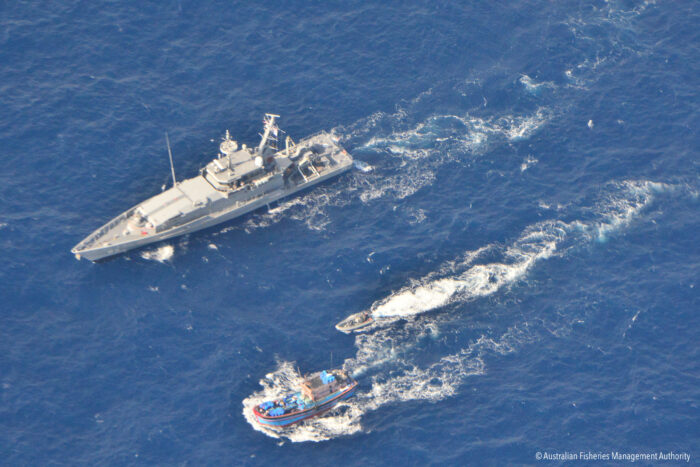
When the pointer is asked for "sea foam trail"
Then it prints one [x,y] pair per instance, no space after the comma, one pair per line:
[386,360]
[534,87]
[412,156]
[463,280]
[538,242]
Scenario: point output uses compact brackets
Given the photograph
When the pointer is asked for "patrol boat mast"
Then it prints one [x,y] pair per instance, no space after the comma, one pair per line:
[170,155]
[270,127]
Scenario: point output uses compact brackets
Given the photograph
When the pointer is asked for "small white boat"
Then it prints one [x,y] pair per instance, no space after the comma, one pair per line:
[355,322]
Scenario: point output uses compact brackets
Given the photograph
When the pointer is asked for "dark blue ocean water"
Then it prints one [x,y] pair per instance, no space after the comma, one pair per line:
[528,238]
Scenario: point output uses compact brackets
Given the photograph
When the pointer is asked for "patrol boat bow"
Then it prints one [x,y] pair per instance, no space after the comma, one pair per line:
[238,181]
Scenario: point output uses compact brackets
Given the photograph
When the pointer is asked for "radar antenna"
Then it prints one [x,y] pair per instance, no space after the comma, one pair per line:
[170,154]
[228,147]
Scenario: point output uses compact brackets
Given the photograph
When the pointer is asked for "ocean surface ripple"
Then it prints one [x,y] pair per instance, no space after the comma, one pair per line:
[526,240]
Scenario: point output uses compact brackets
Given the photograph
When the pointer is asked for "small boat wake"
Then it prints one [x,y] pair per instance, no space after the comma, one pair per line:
[467,278]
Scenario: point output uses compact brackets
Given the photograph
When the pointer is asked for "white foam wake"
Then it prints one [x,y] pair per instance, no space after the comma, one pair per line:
[467,130]
[463,280]
[161,254]
[527,163]
[619,210]
[386,362]
[440,379]
[537,243]
[534,87]
[272,216]
[419,151]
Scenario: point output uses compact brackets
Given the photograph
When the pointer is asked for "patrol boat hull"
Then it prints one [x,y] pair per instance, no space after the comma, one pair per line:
[111,249]
[228,187]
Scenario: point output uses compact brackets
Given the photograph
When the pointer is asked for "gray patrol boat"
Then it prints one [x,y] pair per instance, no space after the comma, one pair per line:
[238,181]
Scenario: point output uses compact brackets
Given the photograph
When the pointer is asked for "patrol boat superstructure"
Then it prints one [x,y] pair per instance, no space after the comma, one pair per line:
[238,181]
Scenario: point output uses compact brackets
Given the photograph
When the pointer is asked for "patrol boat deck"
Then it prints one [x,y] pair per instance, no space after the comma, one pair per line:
[238,181]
